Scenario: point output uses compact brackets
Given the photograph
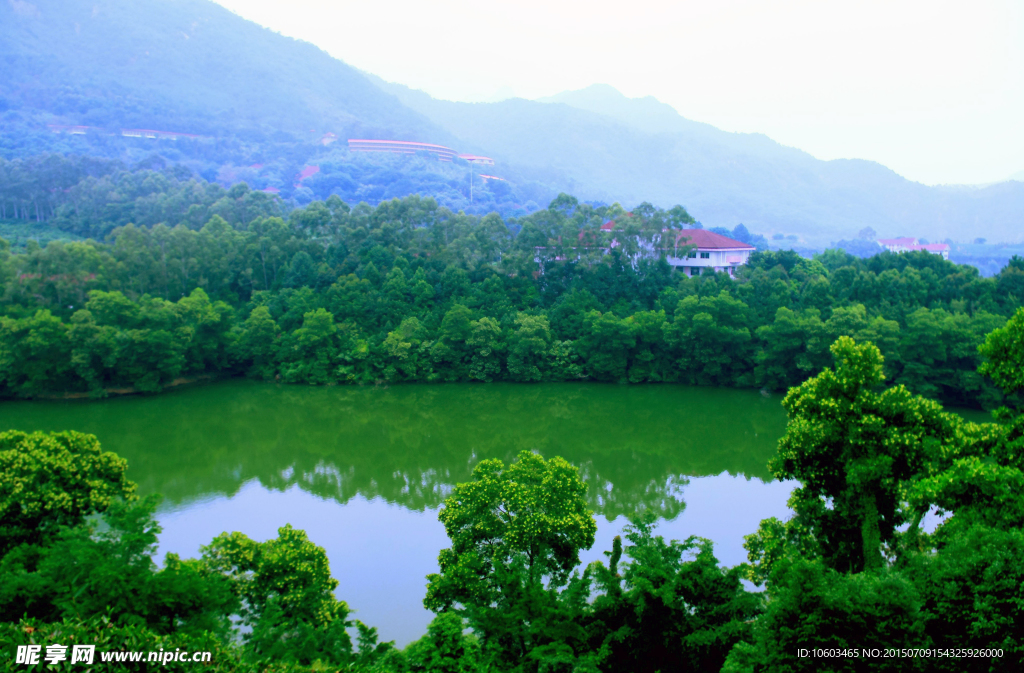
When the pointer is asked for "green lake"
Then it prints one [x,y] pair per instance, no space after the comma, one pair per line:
[364,470]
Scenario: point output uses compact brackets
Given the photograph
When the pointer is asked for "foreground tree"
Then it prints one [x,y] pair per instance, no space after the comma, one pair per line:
[670,608]
[288,596]
[106,568]
[517,533]
[868,462]
[445,648]
[854,448]
[49,480]
[77,562]
[812,606]
[1004,353]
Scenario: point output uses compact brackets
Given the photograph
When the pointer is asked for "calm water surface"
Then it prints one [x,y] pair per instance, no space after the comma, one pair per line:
[364,470]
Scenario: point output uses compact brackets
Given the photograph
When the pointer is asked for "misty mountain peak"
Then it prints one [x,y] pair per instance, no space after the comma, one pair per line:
[646,114]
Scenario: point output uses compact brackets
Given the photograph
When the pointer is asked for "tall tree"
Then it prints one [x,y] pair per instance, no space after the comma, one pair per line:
[853,448]
[516,532]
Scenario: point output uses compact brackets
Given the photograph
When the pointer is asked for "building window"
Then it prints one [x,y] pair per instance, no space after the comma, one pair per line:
[694,270]
[693,254]
[705,255]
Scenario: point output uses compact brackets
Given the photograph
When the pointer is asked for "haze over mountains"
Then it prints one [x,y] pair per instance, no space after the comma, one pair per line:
[183,63]
[192,66]
[641,149]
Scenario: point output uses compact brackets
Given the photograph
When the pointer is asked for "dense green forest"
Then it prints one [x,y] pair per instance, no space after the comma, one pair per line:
[174,278]
[32,189]
[852,581]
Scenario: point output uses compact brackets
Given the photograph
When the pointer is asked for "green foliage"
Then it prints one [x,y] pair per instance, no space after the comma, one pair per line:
[445,648]
[1004,353]
[813,606]
[416,292]
[866,460]
[108,569]
[53,480]
[853,448]
[410,291]
[108,636]
[530,348]
[288,596]
[973,595]
[671,607]
[92,579]
[978,477]
[35,354]
[516,534]
[713,338]
[795,346]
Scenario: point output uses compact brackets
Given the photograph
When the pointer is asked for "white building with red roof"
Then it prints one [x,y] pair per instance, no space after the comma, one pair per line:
[710,251]
[707,250]
[905,244]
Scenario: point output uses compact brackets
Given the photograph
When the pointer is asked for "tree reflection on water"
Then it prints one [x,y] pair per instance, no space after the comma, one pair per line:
[635,445]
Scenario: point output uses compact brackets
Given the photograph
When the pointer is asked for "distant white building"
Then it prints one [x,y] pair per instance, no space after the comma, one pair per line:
[906,244]
[714,251]
[710,251]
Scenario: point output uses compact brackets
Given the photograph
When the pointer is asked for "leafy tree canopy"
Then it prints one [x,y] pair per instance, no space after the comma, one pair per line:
[52,480]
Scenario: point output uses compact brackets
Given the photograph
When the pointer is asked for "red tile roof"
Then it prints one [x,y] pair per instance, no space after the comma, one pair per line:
[708,240]
[307,172]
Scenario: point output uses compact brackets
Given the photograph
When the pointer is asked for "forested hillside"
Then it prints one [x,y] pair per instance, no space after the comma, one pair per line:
[194,280]
[261,104]
[183,65]
[256,106]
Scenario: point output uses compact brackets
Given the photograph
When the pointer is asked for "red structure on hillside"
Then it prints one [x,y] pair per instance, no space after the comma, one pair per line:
[72,130]
[476,159]
[152,134]
[907,244]
[307,172]
[401,147]
[409,147]
[159,135]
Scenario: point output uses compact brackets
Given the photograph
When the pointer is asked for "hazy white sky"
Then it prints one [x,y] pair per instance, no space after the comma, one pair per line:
[931,88]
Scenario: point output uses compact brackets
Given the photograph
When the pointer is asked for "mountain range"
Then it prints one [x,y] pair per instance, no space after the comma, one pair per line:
[192,66]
